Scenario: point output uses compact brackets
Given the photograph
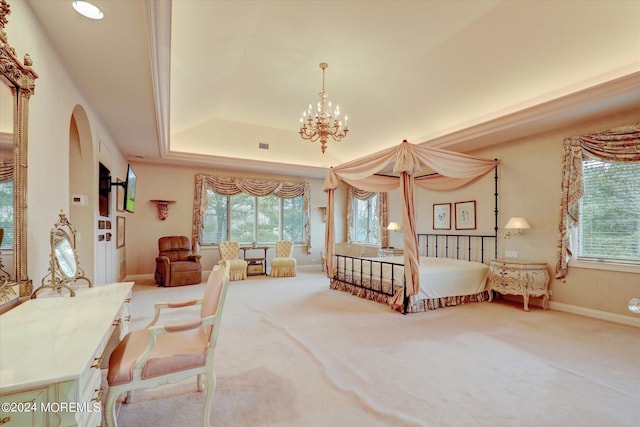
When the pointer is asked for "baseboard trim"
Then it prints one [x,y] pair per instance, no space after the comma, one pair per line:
[597,314]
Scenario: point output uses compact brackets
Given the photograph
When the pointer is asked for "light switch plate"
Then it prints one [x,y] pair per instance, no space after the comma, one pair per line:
[511,254]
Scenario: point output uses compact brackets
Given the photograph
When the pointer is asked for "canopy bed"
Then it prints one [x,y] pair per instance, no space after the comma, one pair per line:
[427,257]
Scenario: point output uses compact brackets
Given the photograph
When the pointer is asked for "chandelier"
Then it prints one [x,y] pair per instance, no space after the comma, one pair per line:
[324,123]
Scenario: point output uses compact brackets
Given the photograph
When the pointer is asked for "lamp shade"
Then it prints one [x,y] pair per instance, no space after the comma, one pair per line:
[517,223]
[394,226]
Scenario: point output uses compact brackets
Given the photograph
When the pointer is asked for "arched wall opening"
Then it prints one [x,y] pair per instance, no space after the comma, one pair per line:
[82,183]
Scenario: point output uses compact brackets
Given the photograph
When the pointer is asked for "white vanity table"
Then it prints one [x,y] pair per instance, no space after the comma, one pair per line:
[51,350]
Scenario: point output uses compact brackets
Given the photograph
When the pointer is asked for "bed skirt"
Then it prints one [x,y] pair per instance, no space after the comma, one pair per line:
[433,303]
[414,306]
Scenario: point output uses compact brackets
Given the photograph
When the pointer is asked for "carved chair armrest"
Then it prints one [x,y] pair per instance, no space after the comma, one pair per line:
[163,329]
[173,304]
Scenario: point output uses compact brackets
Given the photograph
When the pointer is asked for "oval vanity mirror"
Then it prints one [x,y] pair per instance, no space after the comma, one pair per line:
[65,255]
[64,269]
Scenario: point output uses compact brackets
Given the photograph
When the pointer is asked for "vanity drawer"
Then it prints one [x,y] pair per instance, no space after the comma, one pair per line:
[24,408]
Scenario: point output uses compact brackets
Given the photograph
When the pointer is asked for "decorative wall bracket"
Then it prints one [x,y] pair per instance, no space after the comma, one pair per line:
[163,208]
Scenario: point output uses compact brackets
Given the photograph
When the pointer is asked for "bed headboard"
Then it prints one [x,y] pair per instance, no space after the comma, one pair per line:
[469,247]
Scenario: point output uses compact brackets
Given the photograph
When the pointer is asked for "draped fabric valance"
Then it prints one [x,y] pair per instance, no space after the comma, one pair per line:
[231,186]
[620,144]
[361,194]
[453,170]
[6,170]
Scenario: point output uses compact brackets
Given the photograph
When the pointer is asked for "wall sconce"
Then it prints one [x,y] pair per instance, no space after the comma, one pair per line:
[518,224]
[394,226]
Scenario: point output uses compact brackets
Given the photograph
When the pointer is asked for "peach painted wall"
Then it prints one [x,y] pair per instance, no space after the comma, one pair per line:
[177,183]
[529,186]
[50,111]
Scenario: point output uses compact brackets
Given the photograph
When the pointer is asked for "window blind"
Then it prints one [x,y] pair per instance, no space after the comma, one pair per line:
[609,223]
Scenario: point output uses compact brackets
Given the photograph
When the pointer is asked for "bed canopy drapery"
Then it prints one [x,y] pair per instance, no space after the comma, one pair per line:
[452,170]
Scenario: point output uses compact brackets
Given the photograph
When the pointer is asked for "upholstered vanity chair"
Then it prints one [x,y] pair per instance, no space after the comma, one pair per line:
[229,252]
[163,354]
[283,264]
[175,264]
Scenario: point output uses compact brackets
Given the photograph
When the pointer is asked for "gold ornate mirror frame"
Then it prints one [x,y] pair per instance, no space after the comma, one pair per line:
[20,78]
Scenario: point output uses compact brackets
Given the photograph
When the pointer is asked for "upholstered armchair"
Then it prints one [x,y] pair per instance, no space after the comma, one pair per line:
[163,354]
[283,264]
[175,264]
[229,252]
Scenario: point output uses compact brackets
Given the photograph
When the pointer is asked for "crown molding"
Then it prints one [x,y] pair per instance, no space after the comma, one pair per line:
[605,98]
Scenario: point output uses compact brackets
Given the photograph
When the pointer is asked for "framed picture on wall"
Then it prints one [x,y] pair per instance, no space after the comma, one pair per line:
[120,231]
[119,196]
[466,215]
[442,216]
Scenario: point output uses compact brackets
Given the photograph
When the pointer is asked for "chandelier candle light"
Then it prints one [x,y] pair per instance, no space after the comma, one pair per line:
[325,123]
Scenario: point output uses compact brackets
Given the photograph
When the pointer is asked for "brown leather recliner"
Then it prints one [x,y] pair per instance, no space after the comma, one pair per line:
[175,264]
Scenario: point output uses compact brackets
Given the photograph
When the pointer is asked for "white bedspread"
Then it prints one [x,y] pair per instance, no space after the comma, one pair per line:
[439,277]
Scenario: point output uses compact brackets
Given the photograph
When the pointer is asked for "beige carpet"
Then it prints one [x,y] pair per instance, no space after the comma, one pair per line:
[292,352]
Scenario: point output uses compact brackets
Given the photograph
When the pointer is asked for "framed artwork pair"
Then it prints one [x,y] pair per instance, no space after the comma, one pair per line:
[464,214]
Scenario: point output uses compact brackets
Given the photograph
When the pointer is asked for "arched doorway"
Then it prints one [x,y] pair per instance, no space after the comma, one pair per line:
[82,185]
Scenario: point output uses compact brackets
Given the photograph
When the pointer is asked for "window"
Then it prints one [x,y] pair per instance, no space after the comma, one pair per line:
[365,221]
[246,219]
[609,223]
[6,213]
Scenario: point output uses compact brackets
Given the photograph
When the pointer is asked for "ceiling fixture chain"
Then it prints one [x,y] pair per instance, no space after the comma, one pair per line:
[325,123]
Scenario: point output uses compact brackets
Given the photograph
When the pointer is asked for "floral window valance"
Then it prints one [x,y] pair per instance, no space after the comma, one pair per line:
[620,144]
[231,186]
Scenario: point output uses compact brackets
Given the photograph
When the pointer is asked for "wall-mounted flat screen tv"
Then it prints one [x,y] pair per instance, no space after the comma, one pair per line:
[130,190]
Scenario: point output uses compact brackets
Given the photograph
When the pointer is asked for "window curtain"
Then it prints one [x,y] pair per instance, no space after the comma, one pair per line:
[381,212]
[231,186]
[6,170]
[383,216]
[453,170]
[620,144]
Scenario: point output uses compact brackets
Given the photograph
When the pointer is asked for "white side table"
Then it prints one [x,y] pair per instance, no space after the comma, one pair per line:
[519,277]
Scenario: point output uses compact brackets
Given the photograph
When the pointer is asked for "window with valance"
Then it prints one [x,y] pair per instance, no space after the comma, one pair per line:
[250,210]
[610,163]
[367,217]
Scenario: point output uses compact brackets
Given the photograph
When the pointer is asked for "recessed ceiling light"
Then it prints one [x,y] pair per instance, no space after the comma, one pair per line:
[87,9]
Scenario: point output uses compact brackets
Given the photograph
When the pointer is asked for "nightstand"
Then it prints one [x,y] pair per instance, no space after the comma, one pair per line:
[519,277]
